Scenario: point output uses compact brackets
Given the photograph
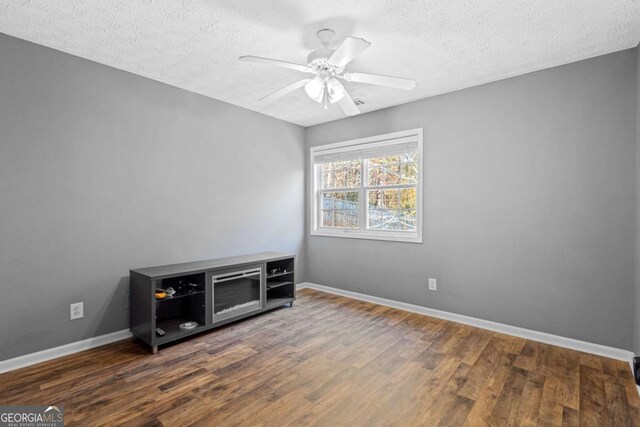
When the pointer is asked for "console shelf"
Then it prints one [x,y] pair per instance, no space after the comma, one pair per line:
[271,276]
[210,293]
[179,295]
[272,285]
[173,331]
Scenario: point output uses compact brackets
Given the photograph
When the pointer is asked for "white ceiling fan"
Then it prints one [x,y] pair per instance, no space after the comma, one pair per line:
[329,67]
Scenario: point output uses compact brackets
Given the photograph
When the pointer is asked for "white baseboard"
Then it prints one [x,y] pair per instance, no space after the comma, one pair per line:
[587,347]
[597,349]
[63,350]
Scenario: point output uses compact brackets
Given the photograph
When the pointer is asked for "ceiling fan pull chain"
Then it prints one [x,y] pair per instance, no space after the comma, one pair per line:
[326,96]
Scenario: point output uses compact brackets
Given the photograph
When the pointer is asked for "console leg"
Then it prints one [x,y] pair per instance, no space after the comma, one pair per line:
[291,304]
[155,349]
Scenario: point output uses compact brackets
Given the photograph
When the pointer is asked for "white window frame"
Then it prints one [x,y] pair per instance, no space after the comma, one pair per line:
[362,232]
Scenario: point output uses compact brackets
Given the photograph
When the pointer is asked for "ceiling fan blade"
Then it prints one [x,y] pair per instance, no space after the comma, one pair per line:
[276,62]
[348,106]
[285,90]
[349,49]
[375,79]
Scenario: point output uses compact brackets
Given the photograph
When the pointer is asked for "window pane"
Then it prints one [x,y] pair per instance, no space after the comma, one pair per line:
[393,209]
[392,219]
[340,200]
[327,218]
[327,178]
[408,198]
[384,171]
[340,209]
[346,218]
[375,219]
[400,169]
[340,174]
[374,198]
[409,157]
[390,199]
[340,218]
[384,175]
[404,198]
[407,220]
[381,161]
[409,172]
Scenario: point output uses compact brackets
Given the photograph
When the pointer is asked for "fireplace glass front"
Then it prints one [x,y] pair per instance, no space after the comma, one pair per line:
[236,293]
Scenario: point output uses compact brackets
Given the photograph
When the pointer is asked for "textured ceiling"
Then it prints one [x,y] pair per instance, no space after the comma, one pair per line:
[445,45]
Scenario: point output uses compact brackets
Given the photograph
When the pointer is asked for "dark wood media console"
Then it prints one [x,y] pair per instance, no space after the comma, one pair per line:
[209,293]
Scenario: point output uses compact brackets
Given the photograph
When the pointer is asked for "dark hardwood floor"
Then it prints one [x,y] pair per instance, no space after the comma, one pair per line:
[333,361]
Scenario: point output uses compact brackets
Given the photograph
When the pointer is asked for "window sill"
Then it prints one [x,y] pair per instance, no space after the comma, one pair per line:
[356,234]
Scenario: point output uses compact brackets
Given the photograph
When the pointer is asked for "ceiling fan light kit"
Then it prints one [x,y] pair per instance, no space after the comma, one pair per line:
[328,65]
[315,88]
[335,90]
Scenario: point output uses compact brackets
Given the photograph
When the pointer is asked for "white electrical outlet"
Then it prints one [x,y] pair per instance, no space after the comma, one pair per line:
[433,285]
[77,310]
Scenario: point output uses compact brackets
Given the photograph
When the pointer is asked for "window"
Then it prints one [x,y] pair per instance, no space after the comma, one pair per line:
[368,188]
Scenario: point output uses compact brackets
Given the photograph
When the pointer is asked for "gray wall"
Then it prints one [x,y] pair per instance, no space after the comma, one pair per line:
[102,171]
[636,323]
[529,203]
[529,196]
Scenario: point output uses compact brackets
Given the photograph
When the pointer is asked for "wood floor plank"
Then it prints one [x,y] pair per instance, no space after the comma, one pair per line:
[593,398]
[480,372]
[527,357]
[331,360]
[570,417]
[572,381]
[531,396]
[508,402]
[445,399]
[551,401]
[457,412]
[618,411]
[487,399]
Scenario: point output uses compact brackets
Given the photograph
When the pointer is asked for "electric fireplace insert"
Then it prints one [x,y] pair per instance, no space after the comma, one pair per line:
[236,292]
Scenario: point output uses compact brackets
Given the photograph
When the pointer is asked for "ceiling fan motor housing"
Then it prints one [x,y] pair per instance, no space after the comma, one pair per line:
[319,57]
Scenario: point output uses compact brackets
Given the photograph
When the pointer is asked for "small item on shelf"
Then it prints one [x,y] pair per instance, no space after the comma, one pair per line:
[170,291]
[160,332]
[160,294]
[274,270]
[188,325]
